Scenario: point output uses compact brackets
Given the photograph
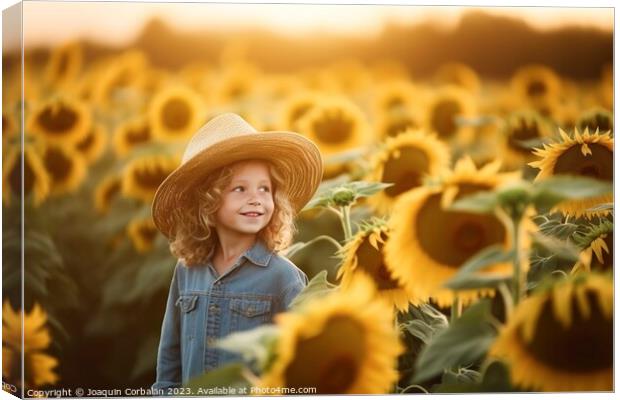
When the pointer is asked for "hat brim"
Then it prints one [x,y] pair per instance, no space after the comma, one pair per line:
[296,156]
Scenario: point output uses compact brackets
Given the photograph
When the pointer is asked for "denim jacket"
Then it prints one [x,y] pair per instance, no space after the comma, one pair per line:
[204,306]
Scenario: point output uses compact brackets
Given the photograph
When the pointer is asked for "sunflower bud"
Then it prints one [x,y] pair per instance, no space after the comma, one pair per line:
[343,196]
[515,198]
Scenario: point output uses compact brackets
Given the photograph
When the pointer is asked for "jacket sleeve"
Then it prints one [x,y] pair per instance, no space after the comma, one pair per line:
[169,352]
[292,290]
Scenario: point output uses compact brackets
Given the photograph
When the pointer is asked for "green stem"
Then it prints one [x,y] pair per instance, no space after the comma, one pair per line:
[517,286]
[316,239]
[508,299]
[455,310]
[346,222]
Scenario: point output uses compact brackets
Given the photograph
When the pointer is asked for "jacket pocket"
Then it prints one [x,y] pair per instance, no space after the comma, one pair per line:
[249,313]
[187,302]
[187,305]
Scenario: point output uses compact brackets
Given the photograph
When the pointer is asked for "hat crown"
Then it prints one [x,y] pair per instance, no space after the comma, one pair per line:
[222,127]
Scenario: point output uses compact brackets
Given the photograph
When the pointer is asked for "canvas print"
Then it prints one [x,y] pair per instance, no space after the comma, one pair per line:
[205,199]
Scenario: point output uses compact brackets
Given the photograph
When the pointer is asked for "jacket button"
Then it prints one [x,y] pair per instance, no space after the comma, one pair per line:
[214,308]
[210,340]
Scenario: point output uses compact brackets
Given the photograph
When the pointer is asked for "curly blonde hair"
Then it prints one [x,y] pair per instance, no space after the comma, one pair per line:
[195,235]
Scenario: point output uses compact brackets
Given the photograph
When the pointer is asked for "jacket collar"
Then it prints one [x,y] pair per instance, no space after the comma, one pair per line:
[258,254]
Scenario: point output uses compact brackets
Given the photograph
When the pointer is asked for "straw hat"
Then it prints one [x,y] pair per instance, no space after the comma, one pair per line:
[228,138]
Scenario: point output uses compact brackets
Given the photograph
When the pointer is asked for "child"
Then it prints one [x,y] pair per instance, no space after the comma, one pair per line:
[227,210]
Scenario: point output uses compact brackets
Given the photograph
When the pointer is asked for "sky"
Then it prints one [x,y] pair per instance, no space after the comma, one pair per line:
[116,23]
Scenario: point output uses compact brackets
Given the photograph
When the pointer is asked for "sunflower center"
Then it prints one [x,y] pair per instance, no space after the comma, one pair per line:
[398,125]
[443,117]
[57,120]
[87,142]
[522,132]
[176,114]
[326,361]
[147,233]
[597,165]
[468,236]
[15,177]
[394,103]
[451,237]
[111,191]
[587,345]
[57,164]
[150,178]
[298,112]
[536,88]
[139,135]
[405,171]
[333,128]
[371,261]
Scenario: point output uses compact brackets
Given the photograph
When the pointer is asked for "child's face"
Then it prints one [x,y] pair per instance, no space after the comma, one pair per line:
[250,191]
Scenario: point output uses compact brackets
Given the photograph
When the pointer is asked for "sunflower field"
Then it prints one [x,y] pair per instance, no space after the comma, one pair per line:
[461,239]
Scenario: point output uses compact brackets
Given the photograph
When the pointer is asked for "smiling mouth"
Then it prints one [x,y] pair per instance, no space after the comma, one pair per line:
[252,214]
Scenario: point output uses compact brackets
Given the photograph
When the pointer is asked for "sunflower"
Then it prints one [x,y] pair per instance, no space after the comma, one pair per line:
[352,76]
[236,84]
[522,127]
[364,254]
[142,176]
[335,125]
[105,193]
[279,87]
[561,338]
[38,366]
[93,145]
[10,128]
[175,113]
[64,65]
[428,243]
[597,240]
[142,232]
[131,134]
[596,119]
[404,161]
[538,86]
[393,96]
[295,107]
[446,108]
[393,123]
[61,121]
[582,154]
[120,80]
[65,167]
[36,179]
[458,74]
[342,343]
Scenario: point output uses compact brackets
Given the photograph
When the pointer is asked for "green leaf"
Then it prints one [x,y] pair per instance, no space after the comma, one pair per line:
[602,207]
[478,203]
[317,287]
[146,357]
[478,281]
[466,278]
[255,345]
[464,342]
[230,375]
[424,321]
[550,191]
[562,249]
[496,378]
